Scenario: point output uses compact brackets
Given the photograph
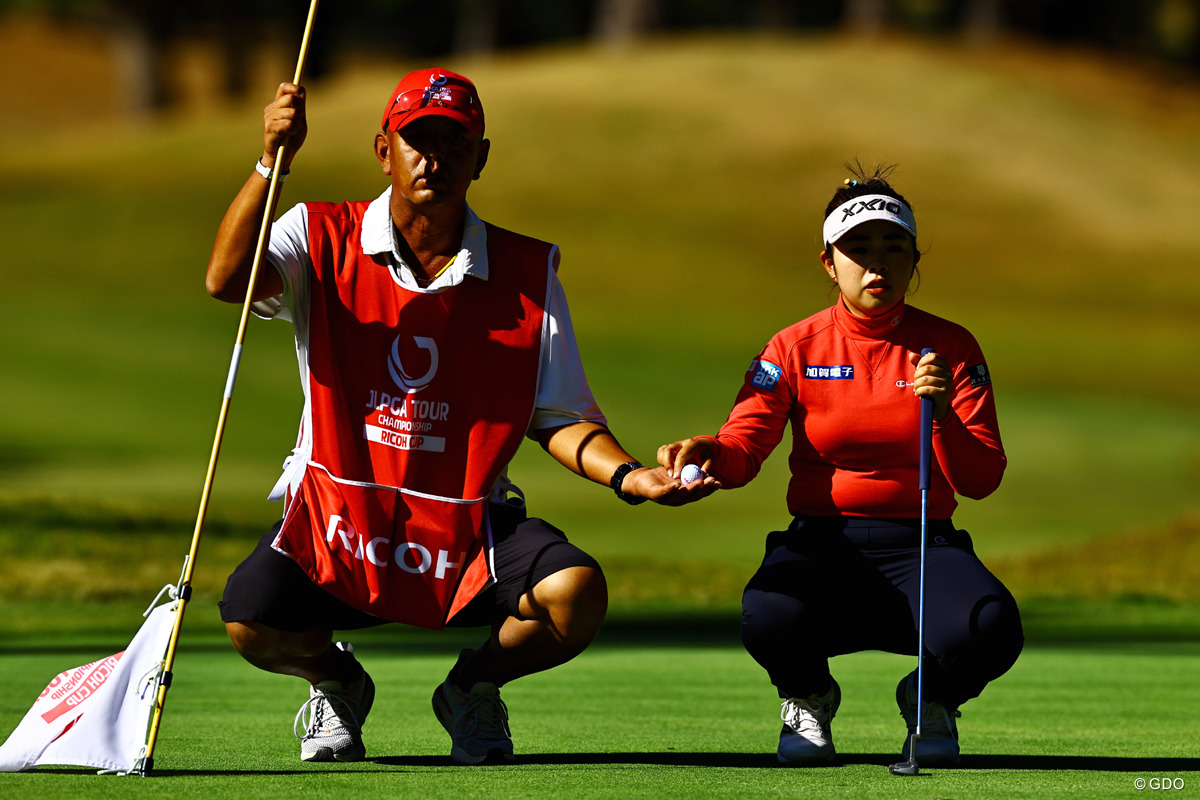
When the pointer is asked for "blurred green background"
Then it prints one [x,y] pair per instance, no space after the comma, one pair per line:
[684,175]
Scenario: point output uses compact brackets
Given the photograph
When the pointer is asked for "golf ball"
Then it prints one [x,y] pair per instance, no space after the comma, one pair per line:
[692,473]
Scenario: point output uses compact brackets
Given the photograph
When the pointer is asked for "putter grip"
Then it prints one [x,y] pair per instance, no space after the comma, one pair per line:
[926,433]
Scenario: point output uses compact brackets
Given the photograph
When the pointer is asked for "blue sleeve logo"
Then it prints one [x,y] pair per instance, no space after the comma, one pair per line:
[766,375]
[838,372]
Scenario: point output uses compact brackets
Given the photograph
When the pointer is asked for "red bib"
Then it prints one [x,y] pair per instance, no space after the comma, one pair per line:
[418,401]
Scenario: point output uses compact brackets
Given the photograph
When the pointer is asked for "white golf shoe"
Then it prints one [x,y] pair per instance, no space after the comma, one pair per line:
[332,718]
[477,720]
[938,745]
[806,737]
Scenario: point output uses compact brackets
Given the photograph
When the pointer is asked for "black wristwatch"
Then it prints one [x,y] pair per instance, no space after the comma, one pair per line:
[619,477]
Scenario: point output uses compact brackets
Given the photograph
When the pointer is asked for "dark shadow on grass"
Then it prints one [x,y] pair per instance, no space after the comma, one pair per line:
[188,773]
[672,759]
[1171,766]
[1017,761]
[767,761]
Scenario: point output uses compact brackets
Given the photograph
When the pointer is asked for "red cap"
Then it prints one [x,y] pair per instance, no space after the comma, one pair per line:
[434,91]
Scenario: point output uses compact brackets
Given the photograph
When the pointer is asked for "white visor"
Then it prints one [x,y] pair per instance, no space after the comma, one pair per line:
[863,209]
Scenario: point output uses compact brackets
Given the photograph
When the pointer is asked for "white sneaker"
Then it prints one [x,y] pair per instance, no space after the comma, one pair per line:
[333,716]
[806,738]
[477,720]
[938,744]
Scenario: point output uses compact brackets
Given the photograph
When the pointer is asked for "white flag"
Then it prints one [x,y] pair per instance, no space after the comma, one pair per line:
[96,715]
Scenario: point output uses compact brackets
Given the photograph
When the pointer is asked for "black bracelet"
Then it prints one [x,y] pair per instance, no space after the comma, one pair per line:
[619,477]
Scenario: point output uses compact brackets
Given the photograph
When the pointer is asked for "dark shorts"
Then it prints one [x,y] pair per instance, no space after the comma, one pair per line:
[271,589]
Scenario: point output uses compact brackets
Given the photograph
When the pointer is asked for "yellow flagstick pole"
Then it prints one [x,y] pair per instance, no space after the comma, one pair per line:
[184,590]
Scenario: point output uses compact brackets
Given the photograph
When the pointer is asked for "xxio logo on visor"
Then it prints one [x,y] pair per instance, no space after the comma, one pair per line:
[878,204]
[858,210]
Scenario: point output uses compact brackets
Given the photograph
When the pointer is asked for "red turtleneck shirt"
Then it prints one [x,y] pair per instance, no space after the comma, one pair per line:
[845,385]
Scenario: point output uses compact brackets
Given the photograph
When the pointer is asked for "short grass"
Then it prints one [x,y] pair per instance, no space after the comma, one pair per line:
[628,719]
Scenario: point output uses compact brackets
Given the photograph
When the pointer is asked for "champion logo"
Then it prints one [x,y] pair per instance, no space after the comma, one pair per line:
[401,376]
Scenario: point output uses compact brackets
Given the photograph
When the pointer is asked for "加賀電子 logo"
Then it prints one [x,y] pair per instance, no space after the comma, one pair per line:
[405,381]
[834,372]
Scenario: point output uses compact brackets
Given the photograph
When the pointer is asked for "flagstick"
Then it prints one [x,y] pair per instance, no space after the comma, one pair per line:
[185,581]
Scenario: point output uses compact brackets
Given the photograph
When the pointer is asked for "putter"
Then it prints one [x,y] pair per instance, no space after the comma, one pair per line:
[910,767]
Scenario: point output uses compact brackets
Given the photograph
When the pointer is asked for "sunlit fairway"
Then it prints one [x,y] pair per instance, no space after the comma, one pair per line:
[631,719]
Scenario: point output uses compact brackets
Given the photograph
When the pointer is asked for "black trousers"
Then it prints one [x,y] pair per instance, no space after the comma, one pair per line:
[830,586]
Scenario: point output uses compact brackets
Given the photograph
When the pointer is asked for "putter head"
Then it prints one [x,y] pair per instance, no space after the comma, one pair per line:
[907,767]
